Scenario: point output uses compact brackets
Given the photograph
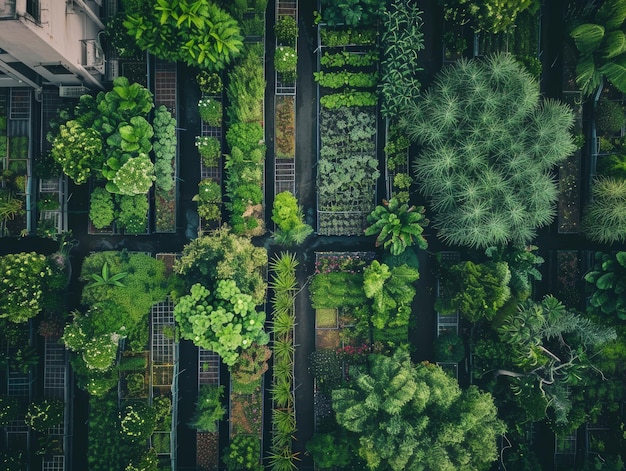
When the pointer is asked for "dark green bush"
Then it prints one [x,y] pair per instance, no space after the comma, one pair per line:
[286,30]
[449,348]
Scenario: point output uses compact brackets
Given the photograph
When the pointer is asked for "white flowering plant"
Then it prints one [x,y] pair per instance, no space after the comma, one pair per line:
[285,59]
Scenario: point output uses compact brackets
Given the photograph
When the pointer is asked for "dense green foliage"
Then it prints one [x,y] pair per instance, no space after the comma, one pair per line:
[402,39]
[164,147]
[397,226]
[209,408]
[491,16]
[352,12]
[488,148]
[549,348]
[221,255]
[604,219]
[409,416]
[601,50]
[196,32]
[30,282]
[477,291]
[289,219]
[608,281]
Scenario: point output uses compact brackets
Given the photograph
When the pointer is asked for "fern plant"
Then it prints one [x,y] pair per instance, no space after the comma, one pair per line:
[604,219]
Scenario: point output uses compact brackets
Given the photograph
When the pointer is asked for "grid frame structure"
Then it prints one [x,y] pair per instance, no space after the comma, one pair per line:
[447,322]
[54,463]
[20,103]
[162,348]
[208,367]
[214,173]
[165,85]
[55,369]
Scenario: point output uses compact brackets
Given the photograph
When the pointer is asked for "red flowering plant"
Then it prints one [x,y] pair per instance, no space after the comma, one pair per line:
[353,355]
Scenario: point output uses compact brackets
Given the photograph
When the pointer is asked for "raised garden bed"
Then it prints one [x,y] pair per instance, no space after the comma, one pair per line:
[570,174]
[567,287]
[207,451]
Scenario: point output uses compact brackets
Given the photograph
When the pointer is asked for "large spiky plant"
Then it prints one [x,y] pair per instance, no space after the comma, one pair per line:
[601,46]
[398,226]
[488,149]
[604,220]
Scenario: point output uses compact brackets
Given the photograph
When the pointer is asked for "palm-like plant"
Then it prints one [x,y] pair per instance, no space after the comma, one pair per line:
[601,46]
[398,226]
[106,279]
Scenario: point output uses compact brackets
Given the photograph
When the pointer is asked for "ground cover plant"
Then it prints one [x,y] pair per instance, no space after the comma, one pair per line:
[489,147]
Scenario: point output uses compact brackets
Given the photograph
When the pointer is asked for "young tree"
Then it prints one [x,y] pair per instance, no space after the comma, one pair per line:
[416,417]
[397,226]
[488,148]
[550,348]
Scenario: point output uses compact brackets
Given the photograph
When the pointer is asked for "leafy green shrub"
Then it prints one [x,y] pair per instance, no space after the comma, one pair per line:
[204,36]
[209,408]
[210,111]
[133,215]
[209,200]
[397,226]
[285,59]
[286,31]
[329,452]
[600,47]
[608,278]
[613,165]
[135,383]
[27,281]
[225,321]
[609,116]
[289,219]
[133,177]
[243,454]
[476,290]
[210,83]
[346,79]
[245,136]
[348,59]
[101,208]
[246,88]
[492,16]
[78,151]
[210,149]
